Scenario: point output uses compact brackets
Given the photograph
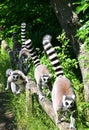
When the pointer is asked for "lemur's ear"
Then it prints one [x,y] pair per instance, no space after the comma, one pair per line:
[64,97]
[73,96]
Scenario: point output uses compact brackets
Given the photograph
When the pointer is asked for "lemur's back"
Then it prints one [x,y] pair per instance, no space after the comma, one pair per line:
[61,87]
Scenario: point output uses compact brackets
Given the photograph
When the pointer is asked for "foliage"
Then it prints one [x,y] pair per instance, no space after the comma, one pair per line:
[65,56]
[82,6]
[82,9]
[83,33]
[38,15]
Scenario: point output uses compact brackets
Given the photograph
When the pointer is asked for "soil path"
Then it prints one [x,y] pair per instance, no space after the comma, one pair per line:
[7,120]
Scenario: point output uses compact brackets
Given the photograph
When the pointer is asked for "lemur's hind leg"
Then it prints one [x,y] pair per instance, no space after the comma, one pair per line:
[40,93]
[72,122]
[13,87]
[21,86]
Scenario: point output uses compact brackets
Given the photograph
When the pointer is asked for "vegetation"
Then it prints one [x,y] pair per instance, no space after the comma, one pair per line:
[38,15]
[40,19]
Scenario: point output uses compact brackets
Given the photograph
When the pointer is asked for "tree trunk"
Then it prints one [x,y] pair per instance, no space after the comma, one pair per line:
[84,65]
[69,22]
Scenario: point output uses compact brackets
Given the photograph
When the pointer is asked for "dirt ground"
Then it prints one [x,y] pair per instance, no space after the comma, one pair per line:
[7,120]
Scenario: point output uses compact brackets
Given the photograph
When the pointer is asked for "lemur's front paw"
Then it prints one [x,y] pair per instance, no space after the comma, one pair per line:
[6,89]
[71,127]
[18,92]
[41,98]
[58,122]
[28,87]
[63,119]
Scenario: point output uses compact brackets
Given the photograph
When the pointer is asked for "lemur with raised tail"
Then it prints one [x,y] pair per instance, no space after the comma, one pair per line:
[24,61]
[16,80]
[41,72]
[24,55]
[63,96]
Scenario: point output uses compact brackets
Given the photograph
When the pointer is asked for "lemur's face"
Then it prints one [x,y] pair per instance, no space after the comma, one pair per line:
[68,102]
[45,78]
[16,76]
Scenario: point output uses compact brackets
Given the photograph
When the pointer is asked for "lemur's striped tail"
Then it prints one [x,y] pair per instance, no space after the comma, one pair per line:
[16,44]
[52,54]
[6,47]
[15,40]
[23,34]
[32,52]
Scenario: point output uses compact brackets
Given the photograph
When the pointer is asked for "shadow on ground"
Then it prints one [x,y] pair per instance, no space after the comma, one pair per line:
[7,120]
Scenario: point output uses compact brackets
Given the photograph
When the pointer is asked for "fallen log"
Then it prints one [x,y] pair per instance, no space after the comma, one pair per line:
[46,105]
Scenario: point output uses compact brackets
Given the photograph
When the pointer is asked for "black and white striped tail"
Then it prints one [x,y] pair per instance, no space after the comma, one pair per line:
[23,34]
[15,40]
[52,54]
[32,52]
[9,51]
[16,44]
[6,47]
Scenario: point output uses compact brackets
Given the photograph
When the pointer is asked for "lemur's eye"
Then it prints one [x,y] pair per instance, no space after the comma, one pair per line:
[66,103]
[44,79]
[71,104]
[15,76]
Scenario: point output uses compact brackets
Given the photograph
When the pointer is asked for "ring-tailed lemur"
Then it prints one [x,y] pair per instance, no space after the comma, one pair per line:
[63,96]
[41,72]
[24,55]
[16,80]
[24,60]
